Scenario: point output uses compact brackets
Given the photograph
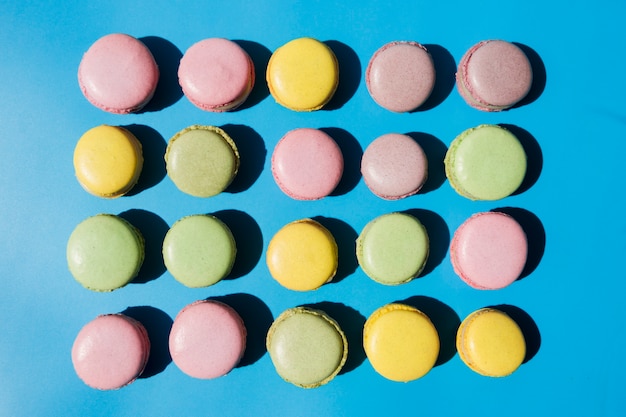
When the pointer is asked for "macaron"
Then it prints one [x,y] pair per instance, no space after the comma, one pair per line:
[216,74]
[307,164]
[394,166]
[491,343]
[486,162]
[105,252]
[401,342]
[199,250]
[393,248]
[307,347]
[302,255]
[489,250]
[303,74]
[202,160]
[118,74]
[108,161]
[207,339]
[400,76]
[110,351]
[494,75]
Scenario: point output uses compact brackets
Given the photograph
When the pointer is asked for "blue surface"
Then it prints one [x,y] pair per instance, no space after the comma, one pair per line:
[570,302]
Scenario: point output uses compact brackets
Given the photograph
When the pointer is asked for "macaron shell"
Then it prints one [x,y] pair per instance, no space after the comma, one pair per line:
[111,351]
[207,339]
[489,250]
[491,343]
[307,164]
[118,74]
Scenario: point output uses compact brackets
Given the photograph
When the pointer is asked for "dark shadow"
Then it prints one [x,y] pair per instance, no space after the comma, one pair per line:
[349,74]
[533,154]
[435,151]
[345,236]
[352,153]
[158,325]
[248,238]
[438,236]
[167,57]
[351,323]
[445,70]
[535,234]
[252,154]
[153,229]
[445,320]
[257,318]
[539,75]
[153,148]
[527,325]
[260,56]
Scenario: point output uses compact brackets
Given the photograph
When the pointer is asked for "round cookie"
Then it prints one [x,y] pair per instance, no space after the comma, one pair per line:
[111,351]
[494,75]
[401,342]
[486,162]
[400,76]
[307,347]
[303,74]
[491,343]
[202,160]
[216,74]
[489,250]
[307,164]
[108,161]
[393,248]
[118,74]
[199,250]
[105,252]
[302,255]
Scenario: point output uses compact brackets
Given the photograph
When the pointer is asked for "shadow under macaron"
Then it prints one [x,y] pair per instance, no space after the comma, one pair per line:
[352,153]
[529,328]
[260,56]
[445,70]
[345,237]
[153,147]
[252,154]
[167,57]
[539,75]
[534,156]
[435,151]
[349,74]
[438,237]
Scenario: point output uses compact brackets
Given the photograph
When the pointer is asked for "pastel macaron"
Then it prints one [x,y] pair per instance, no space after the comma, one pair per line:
[104,252]
[302,255]
[491,343]
[307,347]
[486,162]
[489,250]
[400,76]
[216,74]
[494,75]
[202,161]
[207,339]
[400,342]
[307,164]
[392,249]
[110,351]
[394,166]
[303,74]
[108,161]
[199,250]
[118,74]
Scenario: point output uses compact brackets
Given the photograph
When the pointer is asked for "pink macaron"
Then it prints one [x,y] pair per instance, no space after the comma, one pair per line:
[400,76]
[216,74]
[111,351]
[207,339]
[489,250]
[307,164]
[118,74]
[494,75]
[394,166]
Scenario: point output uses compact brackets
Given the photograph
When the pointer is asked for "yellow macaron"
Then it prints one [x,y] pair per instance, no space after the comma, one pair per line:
[108,161]
[491,343]
[401,342]
[303,74]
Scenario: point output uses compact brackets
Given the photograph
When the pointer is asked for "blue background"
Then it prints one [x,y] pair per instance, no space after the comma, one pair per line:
[570,302]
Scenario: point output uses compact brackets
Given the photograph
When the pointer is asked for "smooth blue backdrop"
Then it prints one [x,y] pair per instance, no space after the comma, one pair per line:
[574,126]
